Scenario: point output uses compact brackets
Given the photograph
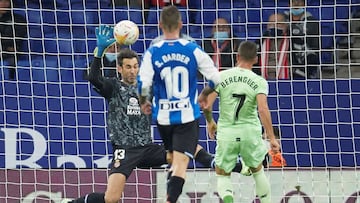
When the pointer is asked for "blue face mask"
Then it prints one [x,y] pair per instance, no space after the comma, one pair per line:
[297,11]
[273,32]
[221,36]
[111,56]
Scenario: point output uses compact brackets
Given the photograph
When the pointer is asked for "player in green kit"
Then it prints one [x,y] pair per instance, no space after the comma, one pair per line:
[243,99]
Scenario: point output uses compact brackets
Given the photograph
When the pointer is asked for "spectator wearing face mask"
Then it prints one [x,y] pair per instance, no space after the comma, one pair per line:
[221,46]
[304,33]
[273,49]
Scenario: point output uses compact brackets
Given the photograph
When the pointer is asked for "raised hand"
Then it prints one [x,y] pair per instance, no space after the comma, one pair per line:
[104,39]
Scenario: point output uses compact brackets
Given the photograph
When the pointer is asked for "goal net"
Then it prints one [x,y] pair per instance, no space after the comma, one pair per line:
[53,141]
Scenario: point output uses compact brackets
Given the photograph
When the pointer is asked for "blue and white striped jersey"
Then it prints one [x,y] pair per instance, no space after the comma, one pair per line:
[170,67]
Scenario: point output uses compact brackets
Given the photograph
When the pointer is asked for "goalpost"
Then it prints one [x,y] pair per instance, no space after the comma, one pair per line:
[53,140]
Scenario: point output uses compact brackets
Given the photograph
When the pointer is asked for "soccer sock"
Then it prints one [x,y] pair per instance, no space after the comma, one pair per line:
[91,198]
[228,199]
[262,186]
[174,188]
[237,167]
[225,187]
[204,158]
[169,175]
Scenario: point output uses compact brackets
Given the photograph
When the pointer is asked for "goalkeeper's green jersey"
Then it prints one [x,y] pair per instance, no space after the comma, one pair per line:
[238,107]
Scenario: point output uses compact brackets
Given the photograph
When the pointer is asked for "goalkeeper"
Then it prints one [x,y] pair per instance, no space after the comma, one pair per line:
[128,127]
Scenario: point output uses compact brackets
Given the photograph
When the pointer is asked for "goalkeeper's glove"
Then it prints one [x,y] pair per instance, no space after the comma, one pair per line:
[104,39]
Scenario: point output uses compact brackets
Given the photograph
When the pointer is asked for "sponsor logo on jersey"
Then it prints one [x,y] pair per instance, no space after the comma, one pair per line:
[174,105]
[133,108]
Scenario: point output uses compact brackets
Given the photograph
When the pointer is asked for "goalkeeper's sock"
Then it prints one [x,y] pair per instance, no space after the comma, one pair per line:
[241,168]
[169,175]
[204,158]
[238,167]
[90,198]
[174,188]
[262,186]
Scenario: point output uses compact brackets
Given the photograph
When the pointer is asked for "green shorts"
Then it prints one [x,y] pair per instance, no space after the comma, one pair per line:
[251,149]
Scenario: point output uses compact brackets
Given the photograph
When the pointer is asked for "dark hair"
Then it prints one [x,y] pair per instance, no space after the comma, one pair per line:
[247,50]
[126,54]
[170,17]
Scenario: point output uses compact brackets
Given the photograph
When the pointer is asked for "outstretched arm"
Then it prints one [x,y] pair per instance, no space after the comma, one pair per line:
[104,39]
[210,122]
[207,105]
[203,99]
[206,100]
[265,118]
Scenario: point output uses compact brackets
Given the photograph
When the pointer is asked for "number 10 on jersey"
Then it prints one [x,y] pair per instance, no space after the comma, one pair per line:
[176,81]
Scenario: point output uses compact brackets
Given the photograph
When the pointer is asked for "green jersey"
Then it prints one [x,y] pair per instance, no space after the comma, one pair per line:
[238,115]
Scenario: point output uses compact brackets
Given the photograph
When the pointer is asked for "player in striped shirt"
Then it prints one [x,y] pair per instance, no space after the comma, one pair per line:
[169,70]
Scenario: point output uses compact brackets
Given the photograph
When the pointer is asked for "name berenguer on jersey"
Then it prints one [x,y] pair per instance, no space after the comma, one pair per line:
[173,57]
[242,79]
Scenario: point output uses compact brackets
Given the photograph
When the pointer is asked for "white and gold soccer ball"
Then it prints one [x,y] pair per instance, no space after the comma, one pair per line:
[126,32]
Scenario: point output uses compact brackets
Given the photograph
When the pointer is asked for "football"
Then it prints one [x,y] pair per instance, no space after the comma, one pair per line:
[126,32]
